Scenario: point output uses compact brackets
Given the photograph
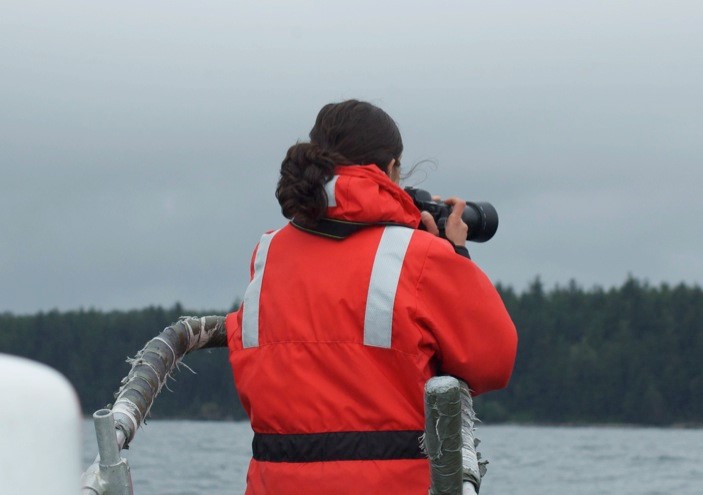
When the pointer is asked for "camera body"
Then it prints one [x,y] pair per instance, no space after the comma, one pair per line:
[481,217]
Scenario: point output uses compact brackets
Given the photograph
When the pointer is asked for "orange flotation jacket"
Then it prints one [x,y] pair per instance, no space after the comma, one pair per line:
[335,340]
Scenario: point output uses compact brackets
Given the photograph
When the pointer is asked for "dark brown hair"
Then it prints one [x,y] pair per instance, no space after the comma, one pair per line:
[348,133]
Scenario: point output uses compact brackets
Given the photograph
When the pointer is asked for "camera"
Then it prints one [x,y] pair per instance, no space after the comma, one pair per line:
[481,217]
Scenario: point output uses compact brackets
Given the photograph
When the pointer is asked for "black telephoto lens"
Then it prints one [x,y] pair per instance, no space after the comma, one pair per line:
[482,219]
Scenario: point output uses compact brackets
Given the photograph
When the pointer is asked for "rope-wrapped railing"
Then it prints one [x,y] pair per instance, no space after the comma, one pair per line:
[151,367]
[154,363]
[450,442]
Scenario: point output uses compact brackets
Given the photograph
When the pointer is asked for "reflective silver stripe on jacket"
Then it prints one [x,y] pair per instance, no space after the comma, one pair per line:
[378,321]
[385,274]
[329,190]
[250,315]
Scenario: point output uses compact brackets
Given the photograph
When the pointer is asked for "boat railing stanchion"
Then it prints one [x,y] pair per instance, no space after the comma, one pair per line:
[113,468]
[449,441]
[109,474]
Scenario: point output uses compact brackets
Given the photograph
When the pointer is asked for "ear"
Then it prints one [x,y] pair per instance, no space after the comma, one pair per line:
[389,167]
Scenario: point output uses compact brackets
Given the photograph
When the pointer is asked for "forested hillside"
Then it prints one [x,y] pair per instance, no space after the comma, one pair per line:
[628,355]
[91,348]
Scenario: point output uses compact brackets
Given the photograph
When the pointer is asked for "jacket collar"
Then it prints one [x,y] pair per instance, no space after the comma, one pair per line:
[364,194]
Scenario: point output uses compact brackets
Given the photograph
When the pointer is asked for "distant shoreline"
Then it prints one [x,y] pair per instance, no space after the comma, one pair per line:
[568,424]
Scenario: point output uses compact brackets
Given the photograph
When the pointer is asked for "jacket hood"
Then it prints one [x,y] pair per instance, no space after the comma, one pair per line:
[363,193]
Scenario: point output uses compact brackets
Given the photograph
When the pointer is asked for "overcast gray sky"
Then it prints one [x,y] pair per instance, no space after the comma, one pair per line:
[140,141]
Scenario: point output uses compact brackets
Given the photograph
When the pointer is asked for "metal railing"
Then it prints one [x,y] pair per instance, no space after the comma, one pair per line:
[116,425]
[449,440]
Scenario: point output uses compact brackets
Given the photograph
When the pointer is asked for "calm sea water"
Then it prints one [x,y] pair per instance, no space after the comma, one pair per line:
[196,458]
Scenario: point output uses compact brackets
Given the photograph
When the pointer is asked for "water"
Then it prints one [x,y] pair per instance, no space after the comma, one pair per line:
[195,458]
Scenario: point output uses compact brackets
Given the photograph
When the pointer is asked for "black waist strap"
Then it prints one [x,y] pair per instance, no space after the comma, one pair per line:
[338,446]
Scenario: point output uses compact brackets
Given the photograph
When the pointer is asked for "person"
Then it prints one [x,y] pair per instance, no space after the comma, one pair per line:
[350,310]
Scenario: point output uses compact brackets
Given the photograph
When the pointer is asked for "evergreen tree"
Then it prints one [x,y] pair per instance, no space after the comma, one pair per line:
[628,354]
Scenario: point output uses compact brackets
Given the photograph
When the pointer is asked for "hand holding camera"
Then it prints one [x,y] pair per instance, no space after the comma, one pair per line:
[455,219]
[454,228]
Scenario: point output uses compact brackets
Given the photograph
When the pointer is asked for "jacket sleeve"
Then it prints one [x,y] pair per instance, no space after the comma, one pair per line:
[473,335]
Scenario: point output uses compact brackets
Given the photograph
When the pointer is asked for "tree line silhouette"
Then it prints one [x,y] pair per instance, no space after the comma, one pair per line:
[628,354]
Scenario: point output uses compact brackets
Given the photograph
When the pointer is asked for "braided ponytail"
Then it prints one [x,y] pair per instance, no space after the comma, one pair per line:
[301,188]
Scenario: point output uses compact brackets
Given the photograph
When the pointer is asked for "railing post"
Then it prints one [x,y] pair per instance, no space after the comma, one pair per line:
[449,438]
[109,474]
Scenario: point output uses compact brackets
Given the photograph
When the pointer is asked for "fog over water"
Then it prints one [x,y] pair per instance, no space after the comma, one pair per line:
[140,142]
